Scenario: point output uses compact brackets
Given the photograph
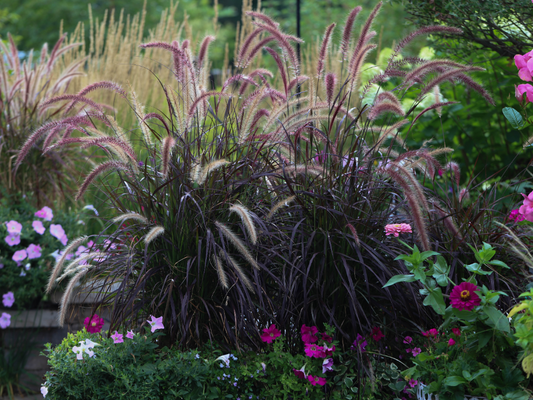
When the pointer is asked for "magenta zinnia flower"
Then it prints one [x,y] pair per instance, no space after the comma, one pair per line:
[270,334]
[313,350]
[396,229]
[308,334]
[463,296]
[93,324]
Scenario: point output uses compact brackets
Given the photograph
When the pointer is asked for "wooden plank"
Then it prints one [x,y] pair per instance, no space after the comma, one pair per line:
[33,318]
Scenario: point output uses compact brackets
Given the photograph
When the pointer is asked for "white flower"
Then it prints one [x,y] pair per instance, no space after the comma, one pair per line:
[225,359]
[90,344]
[44,390]
[84,347]
[91,207]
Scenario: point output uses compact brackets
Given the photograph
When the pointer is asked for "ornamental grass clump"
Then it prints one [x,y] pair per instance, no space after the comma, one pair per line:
[265,200]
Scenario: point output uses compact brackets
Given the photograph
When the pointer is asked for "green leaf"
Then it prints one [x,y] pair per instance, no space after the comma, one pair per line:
[499,264]
[348,382]
[436,300]
[400,278]
[454,381]
[499,320]
[513,116]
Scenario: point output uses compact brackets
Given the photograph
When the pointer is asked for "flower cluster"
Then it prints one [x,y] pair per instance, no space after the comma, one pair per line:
[8,300]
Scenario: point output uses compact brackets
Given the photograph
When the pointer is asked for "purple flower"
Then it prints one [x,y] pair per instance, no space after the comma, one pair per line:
[12,240]
[327,365]
[38,227]
[5,320]
[407,339]
[360,342]
[14,228]
[118,337]
[80,250]
[19,256]
[34,251]
[57,231]
[8,299]
[64,240]
[129,335]
[45,213]
[416,351]
[156,323]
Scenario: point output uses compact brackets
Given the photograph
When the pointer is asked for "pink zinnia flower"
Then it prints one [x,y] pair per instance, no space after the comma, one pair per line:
[308,333]
[38,227]
[19,256]
[526,210]
[118,337]
[129,335]
[377,335]
[93,324]
[314,350]
[396,229]
[451,342]
[416,351]
[14,228]
[45,213]
[34,251]
[156,323]
[8,299]
[5,320]
[407,340]
[316,380]
[12,240]
[270,334]
[463,296]
[456,331]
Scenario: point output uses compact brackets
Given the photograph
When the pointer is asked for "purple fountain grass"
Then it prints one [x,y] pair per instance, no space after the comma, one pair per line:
[157,116]
[427,30]
[204,47]
[347,32]
[456,171]
[241,60]
[106,166]
[256,49]
[281,67]
[330,81]
[94,86]
[238,78]
[265,18]
[354,233]
[432,107]
[468,81]
[429,67]
[360,44]
[383,107]
[71,97]
[446,76]
[295,82]
[166,148]
[322,54]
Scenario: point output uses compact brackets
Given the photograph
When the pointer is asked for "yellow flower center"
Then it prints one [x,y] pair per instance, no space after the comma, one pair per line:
[93,324]
[465,295]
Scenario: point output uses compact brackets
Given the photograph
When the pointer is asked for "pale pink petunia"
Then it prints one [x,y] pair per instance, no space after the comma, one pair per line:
[38,227]
[156,323]
[14,227]
[118,337]
[64,240]
[129,335]
[57,231]
[45,213]
[396,229]
[12,240]
[34,251]
[19,256]
[5,320]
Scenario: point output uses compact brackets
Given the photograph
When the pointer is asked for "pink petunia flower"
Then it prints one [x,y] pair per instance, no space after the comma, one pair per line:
[34,251]
[526,210]
[431,333]
[14,228]
[57,231]
[270,334]
[515,215]
[129,335]
[80,250]
[8,299]
[156,323]
[407,340]
[19,256]
[64,240]
[416,351]
[316,380]
[456,331]
[5,320]
[300,373]
[360,342]
[93,324]
[308,334]
[463,296]
[38,227]
[396,229]
[329,350]
[327,365]
[412,383]
[451,342]
[377,335]
[12,240]
[521,89]
[314,350]
[118,337]
[45,213]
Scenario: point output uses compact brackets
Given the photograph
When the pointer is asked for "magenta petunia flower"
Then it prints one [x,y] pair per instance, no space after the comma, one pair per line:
[38,227]
[416,351]
[8,299]
[45,213]
[377,335]
[5,320]
[315,380]
[431,333]
[300,373]
[412,383]
[12,240]
[456,331]
[270,334]
[515,215]
[327,365]
[118,337]
[93,324]
[19,256]
[396,229]
[14,228]
[451,342]
[129,335]
[34,251]
[329,350]
[308,334]
[463,296]
[156,323]
[407,340]
[526,209]
[360,342]
[314,350]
